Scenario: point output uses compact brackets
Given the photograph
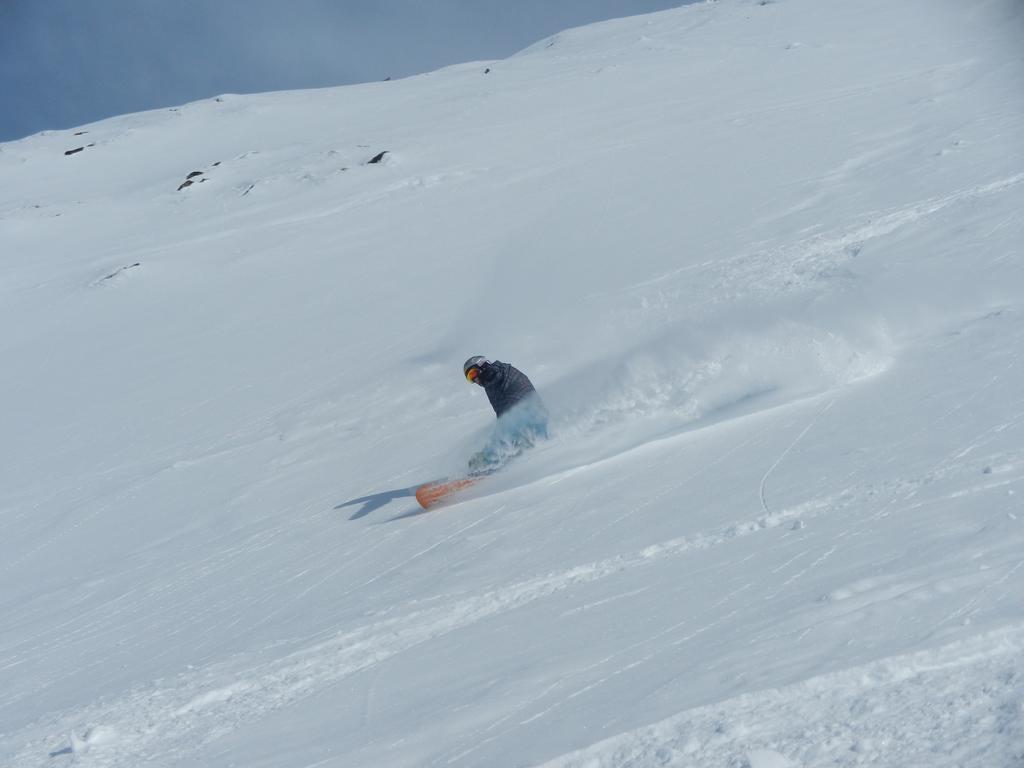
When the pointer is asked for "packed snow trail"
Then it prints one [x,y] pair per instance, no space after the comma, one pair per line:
[763,262]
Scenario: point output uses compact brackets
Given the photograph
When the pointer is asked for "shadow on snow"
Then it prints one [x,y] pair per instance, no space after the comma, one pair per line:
[375,501]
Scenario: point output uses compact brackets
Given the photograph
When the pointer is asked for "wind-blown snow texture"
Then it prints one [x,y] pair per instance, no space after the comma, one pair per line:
[764,262]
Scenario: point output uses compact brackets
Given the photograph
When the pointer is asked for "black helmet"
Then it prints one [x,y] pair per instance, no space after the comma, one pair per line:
[471,368]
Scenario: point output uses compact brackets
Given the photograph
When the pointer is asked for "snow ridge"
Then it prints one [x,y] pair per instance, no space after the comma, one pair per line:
[959,704]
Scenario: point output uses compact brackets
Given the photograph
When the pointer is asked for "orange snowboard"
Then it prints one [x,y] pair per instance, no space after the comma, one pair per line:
[432,494]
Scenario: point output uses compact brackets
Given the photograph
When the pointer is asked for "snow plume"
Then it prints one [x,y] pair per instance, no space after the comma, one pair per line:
[698,375]
[691,375]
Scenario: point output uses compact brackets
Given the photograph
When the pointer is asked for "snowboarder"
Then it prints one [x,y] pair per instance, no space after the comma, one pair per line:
[522,417]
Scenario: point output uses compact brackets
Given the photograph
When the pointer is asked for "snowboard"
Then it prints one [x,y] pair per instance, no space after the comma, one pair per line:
[430,495]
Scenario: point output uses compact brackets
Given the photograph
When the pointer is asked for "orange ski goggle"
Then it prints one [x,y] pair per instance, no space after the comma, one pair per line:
[472,373]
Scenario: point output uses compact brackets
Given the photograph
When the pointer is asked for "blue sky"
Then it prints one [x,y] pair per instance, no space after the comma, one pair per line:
[68,62]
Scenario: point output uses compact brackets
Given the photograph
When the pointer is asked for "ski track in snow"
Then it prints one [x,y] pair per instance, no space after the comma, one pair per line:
[790,447]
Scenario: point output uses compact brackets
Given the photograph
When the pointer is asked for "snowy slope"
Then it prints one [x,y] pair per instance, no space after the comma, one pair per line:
[764,262]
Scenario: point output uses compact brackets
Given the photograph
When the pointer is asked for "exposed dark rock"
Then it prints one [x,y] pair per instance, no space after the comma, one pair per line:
[194,174]
[487,71]
[377,158]
[74,151]
[81,133]
[119,270]
[185,183]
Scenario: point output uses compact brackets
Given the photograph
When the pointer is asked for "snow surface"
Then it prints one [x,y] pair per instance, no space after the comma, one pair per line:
[765,262]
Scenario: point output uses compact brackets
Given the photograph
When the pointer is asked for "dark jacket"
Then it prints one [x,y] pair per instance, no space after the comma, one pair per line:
[506,387]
